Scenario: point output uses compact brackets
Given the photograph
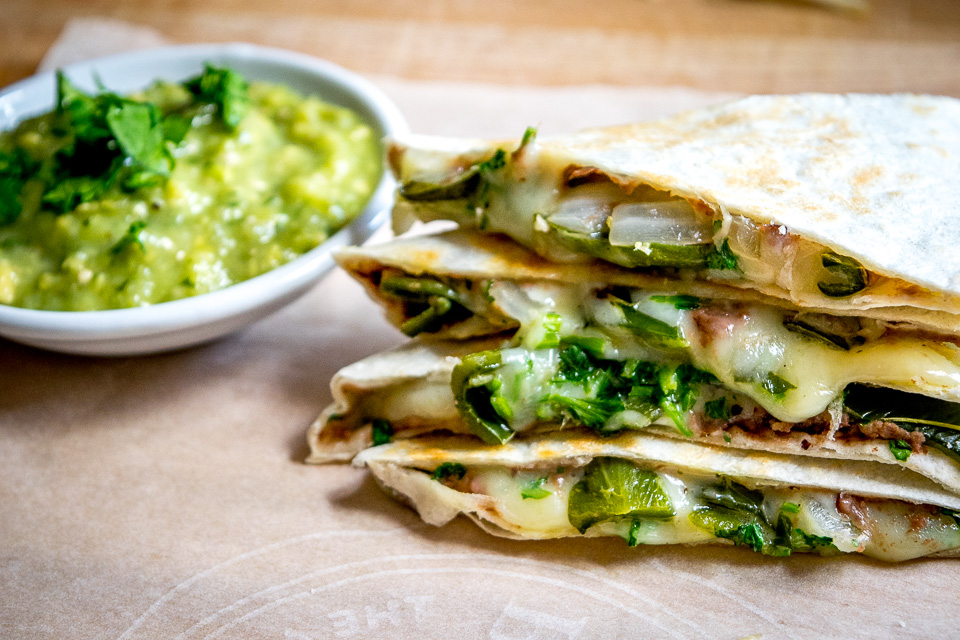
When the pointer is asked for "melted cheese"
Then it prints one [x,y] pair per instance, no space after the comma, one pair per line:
[754,347]
[895,530]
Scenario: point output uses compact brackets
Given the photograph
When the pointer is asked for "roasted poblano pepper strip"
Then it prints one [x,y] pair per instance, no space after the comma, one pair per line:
[734,512]
[814,333]
[438,303]
[692,256]
[847,276]
[615,489]
[471,382]
[460,185]
[466,184]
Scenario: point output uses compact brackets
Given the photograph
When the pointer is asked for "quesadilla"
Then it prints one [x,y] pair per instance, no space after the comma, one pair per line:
[651,490]
[604,348]
[840,202]
[740,323]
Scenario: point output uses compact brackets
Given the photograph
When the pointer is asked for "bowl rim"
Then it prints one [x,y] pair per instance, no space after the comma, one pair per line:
[237,298]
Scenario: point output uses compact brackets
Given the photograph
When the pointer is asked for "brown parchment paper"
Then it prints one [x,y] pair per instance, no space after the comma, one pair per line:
[165,496]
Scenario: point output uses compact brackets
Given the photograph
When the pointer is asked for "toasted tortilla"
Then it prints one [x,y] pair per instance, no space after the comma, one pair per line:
[871,177]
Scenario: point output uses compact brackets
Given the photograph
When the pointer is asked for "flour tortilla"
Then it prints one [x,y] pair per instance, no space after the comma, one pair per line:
[872,177]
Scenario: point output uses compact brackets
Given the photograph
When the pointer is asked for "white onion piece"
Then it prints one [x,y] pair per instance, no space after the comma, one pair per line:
[514,302]
[819,516]
[673,222]
[581,215]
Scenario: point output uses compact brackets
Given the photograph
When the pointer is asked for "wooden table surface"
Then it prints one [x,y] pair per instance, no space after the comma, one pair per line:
[735,45]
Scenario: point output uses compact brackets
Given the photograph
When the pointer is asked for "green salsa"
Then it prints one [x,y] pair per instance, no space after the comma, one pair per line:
[110,202]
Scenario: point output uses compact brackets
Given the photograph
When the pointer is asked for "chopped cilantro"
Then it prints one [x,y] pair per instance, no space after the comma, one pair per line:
[769,382]
[382,432]
[591,413]
[790,507]
[900,449]
[449,469]
[130,238]
[723,258]
[110,140]
[528,136]
[534,490]
[775,385]
[497,161]
[14,168]
[551,331]
[224,88]
[138,130]
[717,409]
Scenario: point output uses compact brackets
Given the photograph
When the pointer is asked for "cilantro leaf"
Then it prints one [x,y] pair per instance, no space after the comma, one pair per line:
[534,490]
[14,168]
[224,88]
[382,432]
[723,258]
[900,449]
[717,409]
[69,193]
[130,238]
[551,331]
[449,469]
[138,130]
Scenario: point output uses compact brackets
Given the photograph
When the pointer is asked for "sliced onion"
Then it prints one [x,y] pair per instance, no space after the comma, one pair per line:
[581,215]
[672,222]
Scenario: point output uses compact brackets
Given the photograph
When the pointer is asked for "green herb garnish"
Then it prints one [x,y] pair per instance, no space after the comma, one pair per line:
[224,88]
[717,409]
[551,331]
[130,238]
[723,258]
[900,449]
[534,490]
[449,470]
[382,432]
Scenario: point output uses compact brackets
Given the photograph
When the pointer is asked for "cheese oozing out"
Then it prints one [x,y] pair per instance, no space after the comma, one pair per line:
[742,345]
[889,529]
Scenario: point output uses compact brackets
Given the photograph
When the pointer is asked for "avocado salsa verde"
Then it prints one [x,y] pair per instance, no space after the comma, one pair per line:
[109,202]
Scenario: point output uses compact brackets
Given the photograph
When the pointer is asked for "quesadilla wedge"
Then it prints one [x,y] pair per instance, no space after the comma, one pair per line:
[839,202]
[652,490]
[609,349]
[410,393]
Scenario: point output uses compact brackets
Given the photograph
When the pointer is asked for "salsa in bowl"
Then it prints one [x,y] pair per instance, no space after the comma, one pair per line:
[171,196]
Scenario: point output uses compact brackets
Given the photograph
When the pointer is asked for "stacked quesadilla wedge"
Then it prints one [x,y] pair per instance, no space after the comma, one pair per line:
[734,324]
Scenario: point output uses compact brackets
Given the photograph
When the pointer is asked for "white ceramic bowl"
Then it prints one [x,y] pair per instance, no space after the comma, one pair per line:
[181,323]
